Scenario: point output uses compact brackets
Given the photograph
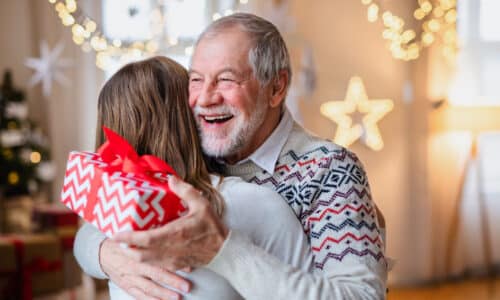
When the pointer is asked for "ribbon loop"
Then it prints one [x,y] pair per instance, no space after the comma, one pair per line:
[120,156]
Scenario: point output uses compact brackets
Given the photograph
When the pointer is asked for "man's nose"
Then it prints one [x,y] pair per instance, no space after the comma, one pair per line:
[209,96]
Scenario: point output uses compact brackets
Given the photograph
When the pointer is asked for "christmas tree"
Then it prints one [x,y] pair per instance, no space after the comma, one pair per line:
[24,153]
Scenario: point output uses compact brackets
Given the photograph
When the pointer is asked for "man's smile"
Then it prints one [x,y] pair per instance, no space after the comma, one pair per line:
[216,119]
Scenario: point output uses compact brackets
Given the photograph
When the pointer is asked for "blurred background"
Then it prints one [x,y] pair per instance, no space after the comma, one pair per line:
[413,87]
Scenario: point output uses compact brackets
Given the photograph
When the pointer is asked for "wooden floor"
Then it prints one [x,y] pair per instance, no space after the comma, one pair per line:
[479,289]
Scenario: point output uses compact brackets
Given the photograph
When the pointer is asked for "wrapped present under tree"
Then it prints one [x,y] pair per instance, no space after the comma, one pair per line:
[30,266]
[63,223]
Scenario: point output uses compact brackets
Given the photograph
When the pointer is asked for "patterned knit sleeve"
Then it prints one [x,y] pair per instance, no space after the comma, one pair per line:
[340,218]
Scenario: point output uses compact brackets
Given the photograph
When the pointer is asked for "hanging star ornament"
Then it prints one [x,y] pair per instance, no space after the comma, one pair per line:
[357,116]
[48,68]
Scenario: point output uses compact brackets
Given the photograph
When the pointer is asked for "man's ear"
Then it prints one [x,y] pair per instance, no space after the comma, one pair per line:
[278,88]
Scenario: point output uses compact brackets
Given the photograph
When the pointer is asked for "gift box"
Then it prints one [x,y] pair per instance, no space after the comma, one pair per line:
[116,189]
[49,217]
[61,222]
[17,214]
[30,266]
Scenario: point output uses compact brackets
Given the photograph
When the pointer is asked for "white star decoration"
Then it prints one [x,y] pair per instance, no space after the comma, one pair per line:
[357,104]
[48,68]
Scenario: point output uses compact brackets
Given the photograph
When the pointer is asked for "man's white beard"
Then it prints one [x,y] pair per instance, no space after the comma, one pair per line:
[223,144]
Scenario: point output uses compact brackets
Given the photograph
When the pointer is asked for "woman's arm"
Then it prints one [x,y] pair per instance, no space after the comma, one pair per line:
[255,274]
[86,250]
[92,249]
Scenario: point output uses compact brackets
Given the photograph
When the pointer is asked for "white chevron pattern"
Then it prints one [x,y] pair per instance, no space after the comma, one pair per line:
[124,201]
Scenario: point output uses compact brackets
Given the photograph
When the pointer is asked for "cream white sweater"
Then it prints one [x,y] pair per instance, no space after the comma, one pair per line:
[327,189]
[255,214]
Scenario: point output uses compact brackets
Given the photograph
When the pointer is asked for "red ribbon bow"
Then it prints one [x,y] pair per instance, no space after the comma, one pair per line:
[121,157]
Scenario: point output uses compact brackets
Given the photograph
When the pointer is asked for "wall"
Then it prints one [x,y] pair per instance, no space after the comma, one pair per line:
[68,114]
[346,44]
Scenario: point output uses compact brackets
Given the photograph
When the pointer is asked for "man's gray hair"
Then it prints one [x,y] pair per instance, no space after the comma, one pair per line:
[268,54]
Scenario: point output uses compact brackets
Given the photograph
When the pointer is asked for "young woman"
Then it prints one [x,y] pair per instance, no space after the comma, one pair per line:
[146,102]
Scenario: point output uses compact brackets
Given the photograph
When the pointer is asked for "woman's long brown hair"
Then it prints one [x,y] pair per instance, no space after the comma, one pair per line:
[146,102]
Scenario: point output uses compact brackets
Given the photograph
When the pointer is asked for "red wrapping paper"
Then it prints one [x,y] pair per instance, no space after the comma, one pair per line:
[116,189]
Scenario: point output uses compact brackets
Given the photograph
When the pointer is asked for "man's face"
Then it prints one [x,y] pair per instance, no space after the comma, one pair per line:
[228,102]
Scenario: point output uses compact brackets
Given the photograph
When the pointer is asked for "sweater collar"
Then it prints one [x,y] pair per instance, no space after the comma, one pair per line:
[268,153]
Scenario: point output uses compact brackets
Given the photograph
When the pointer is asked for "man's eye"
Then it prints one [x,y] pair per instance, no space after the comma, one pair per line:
[226,79]
[195,79]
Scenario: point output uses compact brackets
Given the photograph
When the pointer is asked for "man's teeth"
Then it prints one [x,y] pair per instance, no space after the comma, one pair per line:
[217,118]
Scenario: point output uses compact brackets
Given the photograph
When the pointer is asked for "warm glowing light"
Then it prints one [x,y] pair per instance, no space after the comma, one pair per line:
[426,7]
[373,12]
[59,7]
[78,39]
[71,6]
[451,16]
[35,157]
[90,26]
[366,2]
[438,12]
[52,1]
[439,20]
[434,25]
[356,100]
[68,20]
[78,30]
[427,38]
[243,1]
[408,35]
[13,178]
[419,14]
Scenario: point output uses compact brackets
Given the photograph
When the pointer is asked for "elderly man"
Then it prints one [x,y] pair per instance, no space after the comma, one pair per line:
[239,76]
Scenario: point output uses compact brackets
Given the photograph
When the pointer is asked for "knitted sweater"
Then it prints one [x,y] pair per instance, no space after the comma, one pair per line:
[327,188]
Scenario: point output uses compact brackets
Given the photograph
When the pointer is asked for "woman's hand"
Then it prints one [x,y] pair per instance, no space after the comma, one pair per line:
[140,280]
[190,241]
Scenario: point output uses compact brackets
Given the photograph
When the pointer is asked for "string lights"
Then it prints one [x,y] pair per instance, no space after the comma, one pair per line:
[438,19]
[87,34]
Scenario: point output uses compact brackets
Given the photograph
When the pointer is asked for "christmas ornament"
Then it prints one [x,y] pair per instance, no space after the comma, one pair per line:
[49,67]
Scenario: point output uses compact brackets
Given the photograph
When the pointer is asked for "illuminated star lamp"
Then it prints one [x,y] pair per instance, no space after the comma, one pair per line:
[356,102]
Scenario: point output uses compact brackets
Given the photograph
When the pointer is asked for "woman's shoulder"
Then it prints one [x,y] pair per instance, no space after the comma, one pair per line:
[235,185]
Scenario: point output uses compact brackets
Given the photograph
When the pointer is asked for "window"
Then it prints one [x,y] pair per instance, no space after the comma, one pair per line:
[478,65]
[173,25]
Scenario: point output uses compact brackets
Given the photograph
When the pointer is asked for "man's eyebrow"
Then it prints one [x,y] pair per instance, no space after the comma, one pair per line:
[231,70]
[191,71]
[224,70]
